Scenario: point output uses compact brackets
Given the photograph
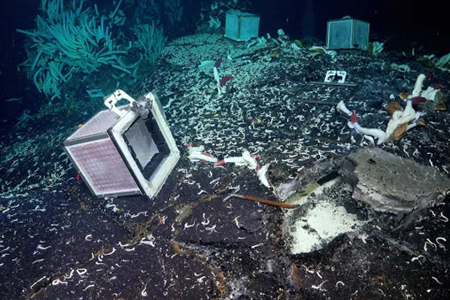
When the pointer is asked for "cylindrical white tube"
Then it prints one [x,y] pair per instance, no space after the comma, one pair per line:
[418,86]
[239,160]
[378,133]
[252,163]
[341,107]
[201,156]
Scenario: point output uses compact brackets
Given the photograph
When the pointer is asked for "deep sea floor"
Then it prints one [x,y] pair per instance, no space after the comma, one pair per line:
[59,242]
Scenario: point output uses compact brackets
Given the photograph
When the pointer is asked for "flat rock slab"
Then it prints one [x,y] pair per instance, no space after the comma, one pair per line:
[391,183]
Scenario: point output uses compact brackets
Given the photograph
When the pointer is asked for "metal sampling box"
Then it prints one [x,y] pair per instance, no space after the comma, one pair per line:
[241,26]
[347,33]
[125,150]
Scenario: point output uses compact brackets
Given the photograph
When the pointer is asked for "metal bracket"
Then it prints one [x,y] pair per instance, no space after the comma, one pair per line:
[333,76]
[111,100]
[334,84]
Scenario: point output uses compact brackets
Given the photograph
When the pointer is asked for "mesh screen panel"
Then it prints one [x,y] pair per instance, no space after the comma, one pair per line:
[103,167]
[232,27]
[361,33]
[340,35]
[241,26]
[249,28]
[98,124]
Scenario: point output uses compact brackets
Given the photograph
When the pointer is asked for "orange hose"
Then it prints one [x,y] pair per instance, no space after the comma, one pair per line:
[269,202]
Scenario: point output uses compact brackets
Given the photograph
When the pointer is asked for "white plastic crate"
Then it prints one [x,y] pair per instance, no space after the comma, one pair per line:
[123,151]
[347,33]
[241,26]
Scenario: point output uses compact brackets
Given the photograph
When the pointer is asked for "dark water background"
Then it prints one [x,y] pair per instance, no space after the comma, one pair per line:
[403,24]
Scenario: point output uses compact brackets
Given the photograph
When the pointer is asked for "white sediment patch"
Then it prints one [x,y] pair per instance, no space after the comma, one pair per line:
[321,224]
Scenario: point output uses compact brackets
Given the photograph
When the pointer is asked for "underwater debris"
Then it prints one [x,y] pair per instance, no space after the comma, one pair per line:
[198,154]
[401,68]
[440,107]
[260,200]
[376,48]
[341,107]
[225,79]
[378,133]
[247,159]
[401,121]
[393,107]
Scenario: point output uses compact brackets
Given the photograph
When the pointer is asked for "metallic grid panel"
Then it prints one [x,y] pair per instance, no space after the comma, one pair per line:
[340,35]
[102,167]
[232,26]
[249,27]
[361,33]
[100,123]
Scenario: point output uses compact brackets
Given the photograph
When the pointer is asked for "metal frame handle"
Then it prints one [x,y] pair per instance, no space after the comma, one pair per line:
[111,100]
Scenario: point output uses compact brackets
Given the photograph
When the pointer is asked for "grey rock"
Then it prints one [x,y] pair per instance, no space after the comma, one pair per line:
[389,183]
